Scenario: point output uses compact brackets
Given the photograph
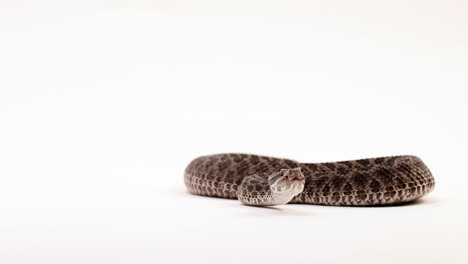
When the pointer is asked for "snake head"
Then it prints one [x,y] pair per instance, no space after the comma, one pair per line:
[287,182]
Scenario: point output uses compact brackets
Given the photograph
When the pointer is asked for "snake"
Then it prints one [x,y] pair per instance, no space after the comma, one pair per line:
[258,180]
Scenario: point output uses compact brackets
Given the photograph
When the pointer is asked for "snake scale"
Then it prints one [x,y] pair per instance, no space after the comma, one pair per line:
[265,181]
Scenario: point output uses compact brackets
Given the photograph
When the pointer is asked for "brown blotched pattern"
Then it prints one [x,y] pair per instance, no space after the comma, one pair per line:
[386,180]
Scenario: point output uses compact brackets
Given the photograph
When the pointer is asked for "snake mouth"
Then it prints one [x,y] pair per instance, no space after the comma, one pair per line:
[297,179]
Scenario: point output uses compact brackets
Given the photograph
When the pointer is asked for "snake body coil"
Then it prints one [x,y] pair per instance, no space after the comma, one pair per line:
[263,181]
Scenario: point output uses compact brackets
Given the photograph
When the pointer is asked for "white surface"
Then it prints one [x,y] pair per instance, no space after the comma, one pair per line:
[104,103]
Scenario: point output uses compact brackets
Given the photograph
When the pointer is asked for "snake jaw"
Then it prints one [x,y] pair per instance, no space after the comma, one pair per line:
[287,183]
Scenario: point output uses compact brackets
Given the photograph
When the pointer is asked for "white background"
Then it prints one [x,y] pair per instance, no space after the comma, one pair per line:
[104,103]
